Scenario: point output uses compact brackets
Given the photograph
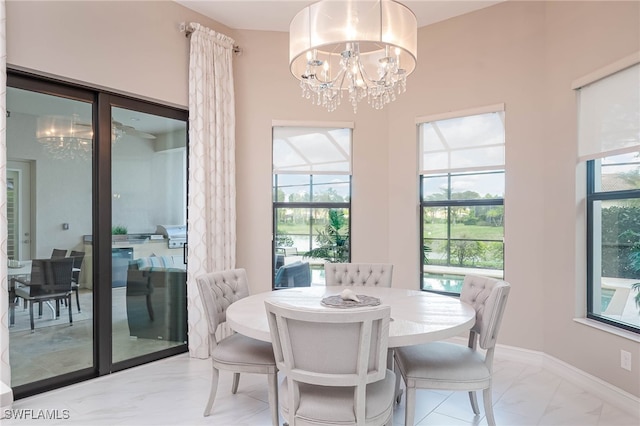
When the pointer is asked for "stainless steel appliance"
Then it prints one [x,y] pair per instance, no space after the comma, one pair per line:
[176,235]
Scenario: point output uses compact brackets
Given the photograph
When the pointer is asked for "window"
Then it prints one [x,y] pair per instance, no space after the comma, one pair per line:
[461,197]
[311,202]
[609,143]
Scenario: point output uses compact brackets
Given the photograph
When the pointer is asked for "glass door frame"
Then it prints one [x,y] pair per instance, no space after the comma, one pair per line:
[102,102]
[106,102]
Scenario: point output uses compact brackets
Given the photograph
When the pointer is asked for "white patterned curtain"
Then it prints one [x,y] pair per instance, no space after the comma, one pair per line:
[5,368]
[212,188]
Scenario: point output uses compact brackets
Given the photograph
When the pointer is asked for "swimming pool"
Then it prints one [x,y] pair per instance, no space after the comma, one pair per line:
[442,282]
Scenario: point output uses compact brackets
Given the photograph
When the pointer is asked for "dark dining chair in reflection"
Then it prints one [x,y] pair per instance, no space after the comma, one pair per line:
[56,253]
[50,280]
[78,257]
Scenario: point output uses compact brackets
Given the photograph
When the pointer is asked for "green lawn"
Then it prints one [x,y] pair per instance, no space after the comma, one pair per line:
[471,232]
[301,229]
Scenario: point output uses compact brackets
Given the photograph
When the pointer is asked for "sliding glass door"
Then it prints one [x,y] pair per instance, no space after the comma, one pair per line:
[96,207]
[148,185]
[49,187]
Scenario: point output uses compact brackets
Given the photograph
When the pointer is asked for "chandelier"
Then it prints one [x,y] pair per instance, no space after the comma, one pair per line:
[364,49]
[66,138]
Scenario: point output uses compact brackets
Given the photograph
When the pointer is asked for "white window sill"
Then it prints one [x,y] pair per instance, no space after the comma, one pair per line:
[609,329]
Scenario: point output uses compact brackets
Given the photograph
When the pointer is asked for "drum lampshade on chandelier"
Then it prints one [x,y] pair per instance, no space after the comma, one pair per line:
[361,49]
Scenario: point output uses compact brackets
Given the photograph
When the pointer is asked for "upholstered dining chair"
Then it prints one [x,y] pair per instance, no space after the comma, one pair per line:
[450,366]
[334,363]
[235,353]
[50,279]
[358,274]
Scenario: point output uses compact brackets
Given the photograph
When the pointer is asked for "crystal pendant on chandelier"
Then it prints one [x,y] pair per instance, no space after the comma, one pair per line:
[361,49]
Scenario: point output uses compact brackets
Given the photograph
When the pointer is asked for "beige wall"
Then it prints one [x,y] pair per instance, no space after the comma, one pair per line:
[524,54]
[273,94]
[127,46]
[580,39]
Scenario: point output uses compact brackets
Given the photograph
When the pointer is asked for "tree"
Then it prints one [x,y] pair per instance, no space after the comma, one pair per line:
[299,198]
[466,250]
[634,259]
[495,216]
[283,239]
[330,195]
[333,240]
[618,247]
[426,249]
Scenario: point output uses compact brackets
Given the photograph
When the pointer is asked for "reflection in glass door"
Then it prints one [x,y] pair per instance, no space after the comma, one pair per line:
[49,175]
[149,205]
[96,191]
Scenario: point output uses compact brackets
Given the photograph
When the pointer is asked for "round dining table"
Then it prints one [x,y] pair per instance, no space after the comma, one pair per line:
[416,316]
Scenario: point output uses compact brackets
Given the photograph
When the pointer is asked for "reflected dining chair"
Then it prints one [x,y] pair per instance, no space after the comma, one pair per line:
[235,353]
[450,366]
[358,274]
[55,253]
[78,257]
[334,363]
[50,279]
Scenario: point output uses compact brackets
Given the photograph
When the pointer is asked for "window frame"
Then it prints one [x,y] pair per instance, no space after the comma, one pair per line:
[589,153]
[592,197]
[449,174]
[276,205]
[481,202]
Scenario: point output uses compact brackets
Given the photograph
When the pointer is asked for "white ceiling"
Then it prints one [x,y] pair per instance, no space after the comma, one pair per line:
[275,15]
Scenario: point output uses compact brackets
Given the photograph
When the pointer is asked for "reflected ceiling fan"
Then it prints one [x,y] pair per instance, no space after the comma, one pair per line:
[118,127]
[118,130]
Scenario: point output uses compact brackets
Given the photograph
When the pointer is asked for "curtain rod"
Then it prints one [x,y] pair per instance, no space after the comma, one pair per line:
[188,30]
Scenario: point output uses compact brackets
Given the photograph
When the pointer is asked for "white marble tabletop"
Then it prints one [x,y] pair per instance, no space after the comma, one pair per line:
[416,316]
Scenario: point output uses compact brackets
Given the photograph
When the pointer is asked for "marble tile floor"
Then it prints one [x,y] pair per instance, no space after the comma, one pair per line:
[55,347]
[174,391]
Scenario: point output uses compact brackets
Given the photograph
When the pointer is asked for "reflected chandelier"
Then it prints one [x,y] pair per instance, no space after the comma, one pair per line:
[365,49]
[64,137]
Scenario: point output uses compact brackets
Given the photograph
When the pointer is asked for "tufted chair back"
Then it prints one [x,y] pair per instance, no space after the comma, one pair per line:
[358,274]
[488,296]
[218,290]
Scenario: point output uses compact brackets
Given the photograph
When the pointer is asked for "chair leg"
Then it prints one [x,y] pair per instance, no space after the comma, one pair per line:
[70,310]
[273,397]
[398,391]
[77,298]
[488,406]
[474,402]
[410,406]
[31,315]
[236,380]
[215,376]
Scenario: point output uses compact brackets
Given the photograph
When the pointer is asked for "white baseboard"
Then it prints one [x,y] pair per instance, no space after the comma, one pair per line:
[6,399]
[592,384]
